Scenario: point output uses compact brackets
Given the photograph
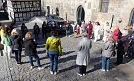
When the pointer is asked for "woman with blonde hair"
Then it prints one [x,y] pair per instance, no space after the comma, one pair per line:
[16,43]
[108,50]
[30,50]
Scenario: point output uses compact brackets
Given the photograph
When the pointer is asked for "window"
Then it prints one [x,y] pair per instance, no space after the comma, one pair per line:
[104,6]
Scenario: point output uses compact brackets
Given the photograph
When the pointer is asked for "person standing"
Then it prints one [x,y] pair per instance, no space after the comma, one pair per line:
[7,45]
[106,31]
[117,34]
[16,43]
[67,29]
[30,50]
[83,27]
[44,29]
[96,31]
[83,55]
[2,32]
[24,30]
[53,26]
[11,27]
[36,31]
[53,45]
[122,46]
[89,29]
[108,49]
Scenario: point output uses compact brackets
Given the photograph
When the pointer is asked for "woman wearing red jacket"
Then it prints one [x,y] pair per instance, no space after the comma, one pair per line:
[117,33]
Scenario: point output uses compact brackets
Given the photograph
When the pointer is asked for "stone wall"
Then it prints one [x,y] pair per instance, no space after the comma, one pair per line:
[121,10]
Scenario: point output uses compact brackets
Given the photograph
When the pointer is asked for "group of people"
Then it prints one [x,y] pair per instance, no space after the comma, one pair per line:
[13,42]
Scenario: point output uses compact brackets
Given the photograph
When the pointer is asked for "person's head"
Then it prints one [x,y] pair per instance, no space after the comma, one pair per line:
[107,23]
[29,35]
[6,34]
[54,33]
[84,34]
[116,27]
[110,36]
[97,23]
[44,22]
[35,23]
[23,24]
[12,25]
[53,23]
[5,25]
[90,22]
[15,31]
[125,33]
[83,21]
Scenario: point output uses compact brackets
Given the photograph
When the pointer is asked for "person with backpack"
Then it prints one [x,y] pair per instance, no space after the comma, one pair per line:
[7,45]
[16,43]
[30,50]
[53,45]
[108,50]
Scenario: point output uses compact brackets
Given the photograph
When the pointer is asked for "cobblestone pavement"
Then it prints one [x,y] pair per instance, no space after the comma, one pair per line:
[4,70]
[67,67]
[10,71]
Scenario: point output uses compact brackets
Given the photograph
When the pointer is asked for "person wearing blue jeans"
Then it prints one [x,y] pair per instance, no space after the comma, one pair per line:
[30,50]
[53,45]
[67,33]
[105,63]
[53,60]
[108,49]
[36,58]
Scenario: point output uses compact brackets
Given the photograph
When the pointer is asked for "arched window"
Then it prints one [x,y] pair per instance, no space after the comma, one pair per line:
[104,6]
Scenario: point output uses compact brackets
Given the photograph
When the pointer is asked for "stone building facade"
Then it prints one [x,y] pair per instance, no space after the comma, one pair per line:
[112,11]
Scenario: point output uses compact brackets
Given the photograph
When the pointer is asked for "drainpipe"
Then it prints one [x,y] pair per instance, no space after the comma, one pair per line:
[112,21]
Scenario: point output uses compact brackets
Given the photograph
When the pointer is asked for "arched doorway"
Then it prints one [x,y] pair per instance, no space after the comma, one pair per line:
[131,20]
[57,11]
[80,14]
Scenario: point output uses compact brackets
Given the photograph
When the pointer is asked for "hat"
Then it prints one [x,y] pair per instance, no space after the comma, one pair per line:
[125,32]
[110,34]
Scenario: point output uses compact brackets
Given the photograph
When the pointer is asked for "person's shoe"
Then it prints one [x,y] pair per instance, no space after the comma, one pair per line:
[31,67]
[19,62]
[103,70]
[79,74]
[107,70]
[40,68]
[51,72]
[55,73]
[84,74]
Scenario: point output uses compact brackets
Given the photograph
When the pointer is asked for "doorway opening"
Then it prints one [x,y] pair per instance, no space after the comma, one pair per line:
[80,14]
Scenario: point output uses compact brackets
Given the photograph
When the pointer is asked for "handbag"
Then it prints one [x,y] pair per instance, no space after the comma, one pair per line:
[1,46]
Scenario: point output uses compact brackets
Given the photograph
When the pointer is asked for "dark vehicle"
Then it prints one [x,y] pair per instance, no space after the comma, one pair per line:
[60,23]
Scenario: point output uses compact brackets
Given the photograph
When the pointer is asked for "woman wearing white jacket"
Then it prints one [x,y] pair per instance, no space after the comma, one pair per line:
[96,31]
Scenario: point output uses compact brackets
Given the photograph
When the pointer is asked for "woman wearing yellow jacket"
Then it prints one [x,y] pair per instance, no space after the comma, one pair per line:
[53,45]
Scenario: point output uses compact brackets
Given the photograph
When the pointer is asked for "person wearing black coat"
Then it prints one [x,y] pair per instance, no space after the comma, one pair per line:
[44,28]
[36,31]
[30,50]
[16,43]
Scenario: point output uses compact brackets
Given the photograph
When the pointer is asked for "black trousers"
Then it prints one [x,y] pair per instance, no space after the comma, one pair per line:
[120,57]
[44,34]
[36,36]
[82,69]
